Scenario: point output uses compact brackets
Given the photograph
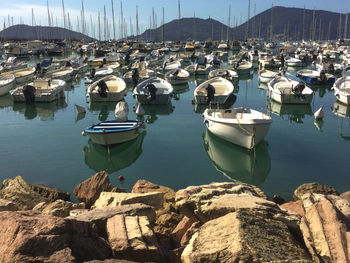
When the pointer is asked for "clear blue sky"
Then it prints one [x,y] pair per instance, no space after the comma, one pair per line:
[217,9]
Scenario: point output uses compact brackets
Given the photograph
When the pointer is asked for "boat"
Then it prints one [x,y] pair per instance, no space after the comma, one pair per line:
[215,91]
[243,67]
[346,71]
[293,62]
[341,109]
[110,88]
[65,74]
[137,75]
[114,132]
[314,77]
[235,162]
[6,84]
[198,69]
[21,75]
[12,63]
[40,90]
[265,76]
[228,74]
[153,91]
[342,90]
[285,90]
[189,46]
[177,76]
[291,112]
[241,126]
[96,74]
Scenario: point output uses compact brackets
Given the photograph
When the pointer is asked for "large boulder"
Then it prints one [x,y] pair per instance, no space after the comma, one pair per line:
[29,236]
[6,205]
[132,238]
[109,199]
[243,237]
[100,216]
[326,227]
[313,188]
[58,208]
[90,190]
[295,207]
[25,196]
[167,215]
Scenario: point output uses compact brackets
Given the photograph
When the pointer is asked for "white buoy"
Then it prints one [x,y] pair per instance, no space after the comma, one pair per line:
[139,110]
[319,124]
[121,111]
[319,114]
[80,109]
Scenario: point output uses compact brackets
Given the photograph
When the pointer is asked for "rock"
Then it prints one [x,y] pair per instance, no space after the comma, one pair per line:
[181,229]
[346,195]
[313,188]
[326,227]
[295,207]
[243,237]
[29,236]
[100,216]
[207,202]
[167,216]
[76,212]
[25,196]
[110,261]
[278,199]
[132,238]
[58,208]
[109,199]
[90,190]
[6,205]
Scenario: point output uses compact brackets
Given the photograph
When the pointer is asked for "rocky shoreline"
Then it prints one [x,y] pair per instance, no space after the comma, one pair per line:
[218,222]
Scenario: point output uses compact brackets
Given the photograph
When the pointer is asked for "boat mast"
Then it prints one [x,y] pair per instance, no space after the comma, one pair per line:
[329,30]
[104,24]
[313,25]
[131,27]
[271,25]
[48,13]
[179,23]
[247,26]
[254,22]
[99,26]
[346,25]
[121,19]
[137,22]
[113,20]
[228,22]
[303,37]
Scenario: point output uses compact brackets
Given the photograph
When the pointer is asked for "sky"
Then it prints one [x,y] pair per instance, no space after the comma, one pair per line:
[21,11]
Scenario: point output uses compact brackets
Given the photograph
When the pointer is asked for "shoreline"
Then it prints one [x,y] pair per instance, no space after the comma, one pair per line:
[217,222]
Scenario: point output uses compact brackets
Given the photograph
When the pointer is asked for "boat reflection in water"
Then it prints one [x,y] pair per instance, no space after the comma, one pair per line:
[295,112]
[121,155]
[153,111]
[342,111]
[105,108]
[45,111]
[236,162]
[6,101]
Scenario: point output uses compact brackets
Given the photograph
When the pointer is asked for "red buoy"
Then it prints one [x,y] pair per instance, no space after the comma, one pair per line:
[121,178]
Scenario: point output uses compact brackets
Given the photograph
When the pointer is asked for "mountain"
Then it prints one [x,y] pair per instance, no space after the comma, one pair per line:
[287,24]
[25,32]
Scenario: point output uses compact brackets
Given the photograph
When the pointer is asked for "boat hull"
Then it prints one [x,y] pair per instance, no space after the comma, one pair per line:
[159,99]
[111,96]
[6,88]
[113,138]
[290,98]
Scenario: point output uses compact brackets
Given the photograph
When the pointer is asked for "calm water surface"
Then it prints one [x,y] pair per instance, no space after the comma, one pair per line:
[43,143]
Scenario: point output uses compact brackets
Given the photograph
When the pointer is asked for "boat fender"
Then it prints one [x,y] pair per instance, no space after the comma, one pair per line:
[120,178]
[29,94]
[102,88]
[210,92]
[298,89]
[152,90]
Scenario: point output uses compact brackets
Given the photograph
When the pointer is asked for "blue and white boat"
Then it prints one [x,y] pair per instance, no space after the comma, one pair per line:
[314,77]
[113,132]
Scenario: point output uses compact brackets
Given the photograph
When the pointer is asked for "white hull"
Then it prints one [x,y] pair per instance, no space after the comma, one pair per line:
[342,90]
[290,98]
[159,99]
[6,86]
[114,138]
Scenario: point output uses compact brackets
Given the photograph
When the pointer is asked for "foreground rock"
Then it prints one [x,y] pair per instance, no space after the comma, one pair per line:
[167,215]
[326,227]
[108,199]
[6,205]
[58,208]
[90,190]
[29,236]
[242,237]
[313,188]
[132,238]
[25,196]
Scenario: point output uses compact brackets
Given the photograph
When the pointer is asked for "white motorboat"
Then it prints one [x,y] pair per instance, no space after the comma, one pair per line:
[65,74]
[346,71]
[110,88]
[342,90]
[6,84]
[22,75]
[215,90]
[228,74]
[135,76]
[265,76]
[113,132]
[99,73]
[153,91]
[40,90]
[314,77]
[197,69]
[171,65]
[243,67]
[293,62]
[177,76]
[242,126]
[285,90]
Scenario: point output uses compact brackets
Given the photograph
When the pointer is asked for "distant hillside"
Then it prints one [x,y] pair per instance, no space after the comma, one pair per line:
[25,32]
[287,22]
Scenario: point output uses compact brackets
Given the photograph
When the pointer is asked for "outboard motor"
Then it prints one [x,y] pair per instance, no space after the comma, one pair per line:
[92,73]
[135,76]
[298,89]
[37,68]
[176,72]
[323,77]
[331,68]
[210,92]
[85,60]
[68,64]
[152,90]
[102,88]
[29,94]
[230,100]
